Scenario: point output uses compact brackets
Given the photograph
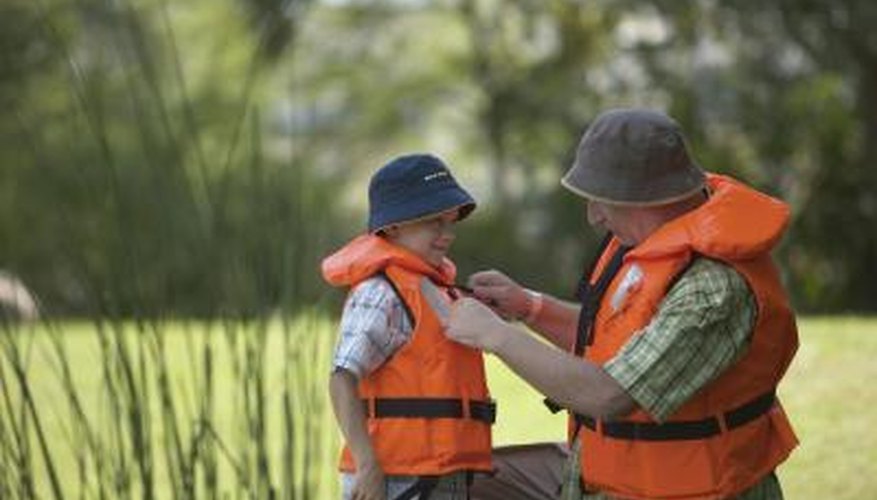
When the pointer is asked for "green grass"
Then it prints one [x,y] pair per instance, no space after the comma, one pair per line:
[831,399]
[246,415]
[827,394]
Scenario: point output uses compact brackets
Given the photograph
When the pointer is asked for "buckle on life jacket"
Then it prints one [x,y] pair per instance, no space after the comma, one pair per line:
[685,429]
[482,411]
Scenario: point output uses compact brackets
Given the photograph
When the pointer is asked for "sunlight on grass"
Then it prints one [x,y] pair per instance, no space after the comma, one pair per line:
[223,408]
[521,415]
[827,395]
[831,401]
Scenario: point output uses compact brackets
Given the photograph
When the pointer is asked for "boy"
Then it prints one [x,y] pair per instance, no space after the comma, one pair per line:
[413,406]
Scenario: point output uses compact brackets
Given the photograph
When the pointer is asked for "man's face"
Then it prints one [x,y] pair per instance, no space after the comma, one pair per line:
[619,220]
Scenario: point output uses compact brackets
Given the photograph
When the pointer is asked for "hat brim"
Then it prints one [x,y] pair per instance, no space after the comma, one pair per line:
[650,203]
[638,192]
[433,205]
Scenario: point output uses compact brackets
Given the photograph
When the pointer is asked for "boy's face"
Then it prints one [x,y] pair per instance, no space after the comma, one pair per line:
[430,238]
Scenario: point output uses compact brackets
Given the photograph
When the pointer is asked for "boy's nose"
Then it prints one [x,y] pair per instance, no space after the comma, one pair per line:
[447,228]
[447,235]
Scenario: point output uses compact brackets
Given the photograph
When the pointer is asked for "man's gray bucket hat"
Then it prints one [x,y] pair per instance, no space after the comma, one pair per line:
[634,157]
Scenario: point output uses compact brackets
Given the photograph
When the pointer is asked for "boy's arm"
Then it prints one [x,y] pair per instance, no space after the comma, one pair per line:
[350,414]
[373,326]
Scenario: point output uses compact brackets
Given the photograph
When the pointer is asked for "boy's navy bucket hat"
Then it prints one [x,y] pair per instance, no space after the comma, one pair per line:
[412,187]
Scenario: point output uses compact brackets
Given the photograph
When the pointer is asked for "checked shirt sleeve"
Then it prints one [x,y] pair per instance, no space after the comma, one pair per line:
[373,326]
[702,326]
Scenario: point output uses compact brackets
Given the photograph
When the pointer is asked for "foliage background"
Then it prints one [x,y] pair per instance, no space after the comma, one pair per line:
[198,158]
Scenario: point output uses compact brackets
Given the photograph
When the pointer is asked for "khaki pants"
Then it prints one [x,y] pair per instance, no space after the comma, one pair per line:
[523,472]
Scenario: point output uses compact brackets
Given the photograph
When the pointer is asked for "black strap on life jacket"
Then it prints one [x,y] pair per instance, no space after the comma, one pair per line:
[683,429]
[590,298]
[383,274]
[421,489]
[482,411]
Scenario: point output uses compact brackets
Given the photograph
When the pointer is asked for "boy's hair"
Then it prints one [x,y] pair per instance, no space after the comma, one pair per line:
[411,187]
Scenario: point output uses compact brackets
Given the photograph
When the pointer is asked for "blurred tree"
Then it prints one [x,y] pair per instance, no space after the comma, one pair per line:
[784,96]
[191,157]
[500,89]
[531,65]
[835,228]
[133,176]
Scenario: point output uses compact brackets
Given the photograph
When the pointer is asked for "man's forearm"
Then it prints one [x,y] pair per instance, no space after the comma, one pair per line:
[556,322]
[574,383]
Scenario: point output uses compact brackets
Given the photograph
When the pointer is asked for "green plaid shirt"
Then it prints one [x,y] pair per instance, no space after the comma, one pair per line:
[702,327]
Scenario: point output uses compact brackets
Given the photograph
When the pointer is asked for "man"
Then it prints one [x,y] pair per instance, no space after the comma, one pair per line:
[669,367]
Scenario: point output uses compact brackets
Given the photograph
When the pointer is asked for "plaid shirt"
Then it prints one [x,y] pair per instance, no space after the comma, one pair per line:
[702,326]
[374,325]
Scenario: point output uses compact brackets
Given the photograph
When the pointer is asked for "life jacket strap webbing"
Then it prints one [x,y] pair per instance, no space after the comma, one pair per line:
[682,430]
[592,296]
[412,320]
[483,411]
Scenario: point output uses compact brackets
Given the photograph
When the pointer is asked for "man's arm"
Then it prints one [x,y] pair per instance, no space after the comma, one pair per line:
[572,382]
[700,329]
[556,321]
[553,319]
[373,326]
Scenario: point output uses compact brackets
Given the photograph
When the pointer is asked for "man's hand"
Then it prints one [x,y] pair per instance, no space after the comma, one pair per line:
[474,324]
[369,483]
[504,295]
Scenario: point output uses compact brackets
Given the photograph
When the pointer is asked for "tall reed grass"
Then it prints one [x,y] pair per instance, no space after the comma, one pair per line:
[143,166]
[163,205]
[154,409]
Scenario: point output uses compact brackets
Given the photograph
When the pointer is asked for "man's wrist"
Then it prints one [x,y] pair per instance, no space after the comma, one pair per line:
[535,303]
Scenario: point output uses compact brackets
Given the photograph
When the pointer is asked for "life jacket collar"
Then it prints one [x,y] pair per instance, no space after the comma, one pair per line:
[735,223]
[368,254]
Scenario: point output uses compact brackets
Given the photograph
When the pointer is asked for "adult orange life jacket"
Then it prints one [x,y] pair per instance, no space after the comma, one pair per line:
[734,431]
[428,407]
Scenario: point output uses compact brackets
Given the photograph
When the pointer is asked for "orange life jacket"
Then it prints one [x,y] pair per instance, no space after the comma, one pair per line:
[733,432]
[429,410]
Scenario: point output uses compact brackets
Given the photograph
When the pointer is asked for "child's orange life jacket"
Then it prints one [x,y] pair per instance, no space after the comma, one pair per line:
[428,407]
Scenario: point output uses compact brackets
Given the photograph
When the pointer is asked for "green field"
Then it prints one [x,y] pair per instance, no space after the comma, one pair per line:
[254,430]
